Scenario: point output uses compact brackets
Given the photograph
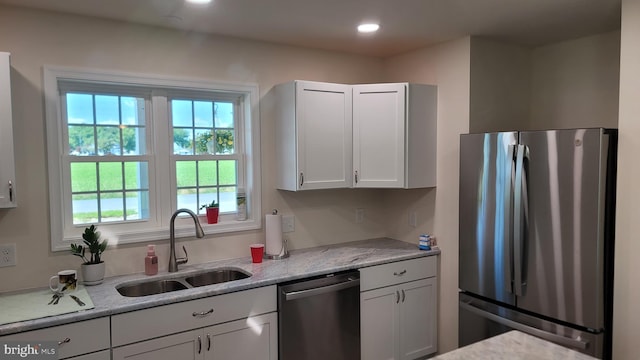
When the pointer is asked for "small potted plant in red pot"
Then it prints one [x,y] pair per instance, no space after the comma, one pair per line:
[213,210]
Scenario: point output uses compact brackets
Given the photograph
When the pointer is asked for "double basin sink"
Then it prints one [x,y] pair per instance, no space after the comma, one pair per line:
[159,286]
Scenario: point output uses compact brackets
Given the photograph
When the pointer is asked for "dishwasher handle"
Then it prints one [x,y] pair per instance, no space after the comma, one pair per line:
[293,295]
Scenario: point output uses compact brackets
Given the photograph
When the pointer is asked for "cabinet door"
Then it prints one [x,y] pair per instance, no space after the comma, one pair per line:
[7,162]
[254,338]
[418,305]
[184,346]
[379,113]
[379,323]
[324,135]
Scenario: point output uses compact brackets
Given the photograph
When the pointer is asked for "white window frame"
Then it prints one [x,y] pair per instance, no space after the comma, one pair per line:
[162,180]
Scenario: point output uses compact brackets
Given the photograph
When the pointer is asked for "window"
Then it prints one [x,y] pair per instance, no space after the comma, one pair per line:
[125,151]
[208,165]
[107,157]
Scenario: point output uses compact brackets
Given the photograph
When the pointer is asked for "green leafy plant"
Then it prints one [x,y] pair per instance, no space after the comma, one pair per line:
[91,239]
[213,204]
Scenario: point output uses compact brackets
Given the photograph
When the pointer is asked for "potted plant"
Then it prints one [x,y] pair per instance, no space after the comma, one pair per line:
[213,210]
[93,267]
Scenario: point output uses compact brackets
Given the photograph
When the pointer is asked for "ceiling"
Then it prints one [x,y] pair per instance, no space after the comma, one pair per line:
[330,24]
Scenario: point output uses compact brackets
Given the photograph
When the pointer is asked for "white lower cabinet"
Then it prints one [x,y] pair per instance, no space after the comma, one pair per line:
[83,337]
[251,338]
[399,321]
[240,325]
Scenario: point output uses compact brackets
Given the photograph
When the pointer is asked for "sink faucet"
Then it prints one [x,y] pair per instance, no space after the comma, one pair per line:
[173,261]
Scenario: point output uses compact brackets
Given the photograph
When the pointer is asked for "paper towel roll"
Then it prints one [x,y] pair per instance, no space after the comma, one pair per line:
[273,230]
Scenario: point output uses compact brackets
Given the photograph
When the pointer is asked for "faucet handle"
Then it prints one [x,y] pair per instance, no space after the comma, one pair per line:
[183,260]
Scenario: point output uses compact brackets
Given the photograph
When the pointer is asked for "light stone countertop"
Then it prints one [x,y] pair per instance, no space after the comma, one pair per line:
[300,264]
[513,345]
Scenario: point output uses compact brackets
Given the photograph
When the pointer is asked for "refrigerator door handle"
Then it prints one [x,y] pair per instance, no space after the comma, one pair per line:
[508,227]
[519,219]
[577,343]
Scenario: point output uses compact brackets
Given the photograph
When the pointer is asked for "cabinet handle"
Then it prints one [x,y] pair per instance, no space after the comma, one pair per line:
[356,176]
[199,344]
[66,340]
[10,191]
[402,295]
[202,313]
[400,273]
[208,342]
[301,179]
[397,296]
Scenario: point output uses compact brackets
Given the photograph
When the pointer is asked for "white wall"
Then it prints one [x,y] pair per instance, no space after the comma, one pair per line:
[447,66]
[564,85]
[626,298]
[500,86]
[36,38]
[575,83]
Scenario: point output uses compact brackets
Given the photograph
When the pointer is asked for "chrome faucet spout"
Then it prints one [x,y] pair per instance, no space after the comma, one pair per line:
[173,260]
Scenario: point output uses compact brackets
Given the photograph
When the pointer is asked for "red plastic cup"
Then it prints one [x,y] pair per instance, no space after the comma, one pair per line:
[256,252]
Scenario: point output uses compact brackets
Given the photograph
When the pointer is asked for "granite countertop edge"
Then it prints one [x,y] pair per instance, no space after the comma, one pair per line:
[513,345]
[300,264]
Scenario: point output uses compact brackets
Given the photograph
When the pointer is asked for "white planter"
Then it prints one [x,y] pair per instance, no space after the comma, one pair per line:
[92,274]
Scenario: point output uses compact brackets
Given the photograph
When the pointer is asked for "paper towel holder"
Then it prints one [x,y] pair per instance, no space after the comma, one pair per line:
[284,253]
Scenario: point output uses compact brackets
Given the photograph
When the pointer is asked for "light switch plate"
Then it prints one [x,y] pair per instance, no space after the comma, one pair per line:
[7,255]
[359,215]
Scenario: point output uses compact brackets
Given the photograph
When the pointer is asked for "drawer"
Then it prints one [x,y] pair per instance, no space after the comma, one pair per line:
[168,319]
[397,272]
[84,337]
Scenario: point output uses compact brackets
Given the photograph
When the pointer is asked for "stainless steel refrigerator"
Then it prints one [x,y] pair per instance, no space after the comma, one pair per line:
[536,236]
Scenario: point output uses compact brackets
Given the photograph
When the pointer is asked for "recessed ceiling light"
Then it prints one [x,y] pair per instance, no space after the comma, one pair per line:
[368,28]
[199,1]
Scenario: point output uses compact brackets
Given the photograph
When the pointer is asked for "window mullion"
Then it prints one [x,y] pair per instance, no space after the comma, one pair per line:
[124,190]
[164,166]
[98,192]
[240,144]
[67,206]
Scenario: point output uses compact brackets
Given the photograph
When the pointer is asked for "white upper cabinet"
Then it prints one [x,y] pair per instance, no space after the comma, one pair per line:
[332,136]
[394,135]
[7,161]
[313,136]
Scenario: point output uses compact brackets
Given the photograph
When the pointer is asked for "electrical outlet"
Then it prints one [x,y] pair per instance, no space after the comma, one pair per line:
[7,255]
[359,215]
[288,223]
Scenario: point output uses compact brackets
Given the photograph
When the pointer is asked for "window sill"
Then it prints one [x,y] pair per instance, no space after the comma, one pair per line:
[182,229]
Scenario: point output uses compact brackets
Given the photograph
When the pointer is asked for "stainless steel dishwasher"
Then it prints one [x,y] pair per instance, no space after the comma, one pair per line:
[319,318]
